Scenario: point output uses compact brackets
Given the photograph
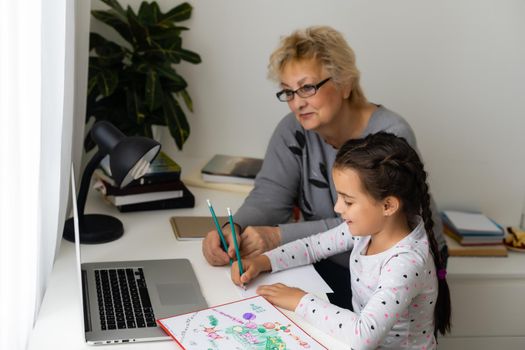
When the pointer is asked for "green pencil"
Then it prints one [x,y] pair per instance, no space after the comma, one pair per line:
[236,246]
[219,230]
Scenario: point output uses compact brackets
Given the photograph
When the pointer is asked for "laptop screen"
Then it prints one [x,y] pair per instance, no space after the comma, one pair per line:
[77,244]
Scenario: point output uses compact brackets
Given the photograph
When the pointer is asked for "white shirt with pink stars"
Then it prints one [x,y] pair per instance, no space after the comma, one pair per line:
[393,292]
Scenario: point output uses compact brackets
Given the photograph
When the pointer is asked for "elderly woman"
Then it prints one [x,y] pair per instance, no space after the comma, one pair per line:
[319,81]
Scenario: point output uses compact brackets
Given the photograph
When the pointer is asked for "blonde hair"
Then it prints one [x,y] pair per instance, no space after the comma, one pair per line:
[329,48]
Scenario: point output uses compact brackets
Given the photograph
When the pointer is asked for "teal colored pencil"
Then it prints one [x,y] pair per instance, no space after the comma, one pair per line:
[237,252]
[219,230]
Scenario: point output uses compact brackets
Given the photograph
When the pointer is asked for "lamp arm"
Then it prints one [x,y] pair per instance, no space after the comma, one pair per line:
[86,179]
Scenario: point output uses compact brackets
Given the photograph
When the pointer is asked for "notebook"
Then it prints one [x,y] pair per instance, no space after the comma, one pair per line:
[186,228]
[122,299]
[246,324]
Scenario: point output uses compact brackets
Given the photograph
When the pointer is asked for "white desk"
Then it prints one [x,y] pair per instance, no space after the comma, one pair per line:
[148,235]
[488,302]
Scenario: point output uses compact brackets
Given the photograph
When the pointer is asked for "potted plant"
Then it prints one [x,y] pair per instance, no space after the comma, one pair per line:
[134,85]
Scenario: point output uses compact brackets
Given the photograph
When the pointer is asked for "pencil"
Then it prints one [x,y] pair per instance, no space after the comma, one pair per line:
[219,230]
[235,245]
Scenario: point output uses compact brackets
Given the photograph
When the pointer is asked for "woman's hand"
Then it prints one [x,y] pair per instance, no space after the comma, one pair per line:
[252,268]
[259,239]
[281,295]
[212,248]
[254,241]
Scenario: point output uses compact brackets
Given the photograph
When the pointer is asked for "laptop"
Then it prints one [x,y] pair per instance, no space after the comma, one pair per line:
[123,299]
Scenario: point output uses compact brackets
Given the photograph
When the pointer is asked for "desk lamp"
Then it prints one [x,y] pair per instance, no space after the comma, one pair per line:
[129,159]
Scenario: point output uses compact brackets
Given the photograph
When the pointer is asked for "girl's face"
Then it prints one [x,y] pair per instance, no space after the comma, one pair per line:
[363,214]
[319,111]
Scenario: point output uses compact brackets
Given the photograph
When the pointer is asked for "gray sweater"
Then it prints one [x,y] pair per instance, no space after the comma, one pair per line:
[297,171]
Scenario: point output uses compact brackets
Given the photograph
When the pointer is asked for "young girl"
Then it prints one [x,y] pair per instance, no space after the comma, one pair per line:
[399,292]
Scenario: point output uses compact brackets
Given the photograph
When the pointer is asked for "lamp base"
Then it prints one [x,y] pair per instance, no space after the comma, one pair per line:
[95,228]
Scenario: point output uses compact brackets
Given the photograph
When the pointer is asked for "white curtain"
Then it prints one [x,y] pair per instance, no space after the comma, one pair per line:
[37,80]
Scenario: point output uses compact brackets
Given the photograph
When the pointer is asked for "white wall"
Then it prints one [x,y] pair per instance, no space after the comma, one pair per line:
[453,69]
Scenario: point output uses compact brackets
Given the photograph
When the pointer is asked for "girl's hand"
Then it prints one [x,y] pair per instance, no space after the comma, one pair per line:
[281,295]
[252,268]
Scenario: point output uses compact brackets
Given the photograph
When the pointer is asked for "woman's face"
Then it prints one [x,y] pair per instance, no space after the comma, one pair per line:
[317,112]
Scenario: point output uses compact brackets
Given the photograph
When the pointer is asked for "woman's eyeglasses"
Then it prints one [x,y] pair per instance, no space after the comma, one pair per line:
[304,91]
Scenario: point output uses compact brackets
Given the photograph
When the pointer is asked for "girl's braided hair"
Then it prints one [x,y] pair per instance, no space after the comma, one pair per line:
[388,166]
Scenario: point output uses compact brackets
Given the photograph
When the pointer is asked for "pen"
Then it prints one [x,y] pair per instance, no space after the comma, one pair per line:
[235,245]
[221,235]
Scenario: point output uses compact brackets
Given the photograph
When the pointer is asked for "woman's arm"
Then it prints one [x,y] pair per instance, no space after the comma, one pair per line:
[276,186]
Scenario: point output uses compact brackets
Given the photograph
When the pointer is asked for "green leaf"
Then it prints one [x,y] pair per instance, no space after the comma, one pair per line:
[187,99]
[140,35]
[189,56]
[169,73]
[134,106]
[166,35]
[119,11]
[163,52]
[107,82]
[140,66]
[177,14]
[153,90]
[115,22]
[96,40]
[147,130]
[173,43]
[92,83]
[108,53]
[149,13]
[176,120]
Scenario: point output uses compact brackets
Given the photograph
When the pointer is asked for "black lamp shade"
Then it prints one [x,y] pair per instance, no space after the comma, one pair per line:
[106,136]
[129,159]
[126,156]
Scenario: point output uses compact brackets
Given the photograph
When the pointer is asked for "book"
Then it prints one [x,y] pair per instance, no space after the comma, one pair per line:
[139,194]
[186,228]
[251,323]
[187,200]
[456,249]
[194,178]
[471,224]
[162,169]
[108,190]
[144,197]
[231,169]
[471,240]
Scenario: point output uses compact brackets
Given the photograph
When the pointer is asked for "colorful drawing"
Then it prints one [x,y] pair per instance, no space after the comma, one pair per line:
[251,324]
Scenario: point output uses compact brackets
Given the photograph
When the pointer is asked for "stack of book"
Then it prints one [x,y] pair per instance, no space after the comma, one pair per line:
[160,188]
[473,234]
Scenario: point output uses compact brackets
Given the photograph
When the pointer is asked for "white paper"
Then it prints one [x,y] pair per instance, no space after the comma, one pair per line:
[304,277]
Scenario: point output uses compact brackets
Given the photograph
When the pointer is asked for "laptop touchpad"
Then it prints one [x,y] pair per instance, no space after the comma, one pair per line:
[177,294]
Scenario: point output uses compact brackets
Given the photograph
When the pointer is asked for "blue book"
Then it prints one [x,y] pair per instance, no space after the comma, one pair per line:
[471,224]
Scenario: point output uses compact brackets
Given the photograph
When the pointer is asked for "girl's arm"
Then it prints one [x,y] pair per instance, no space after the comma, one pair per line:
[312,249]
[388,304]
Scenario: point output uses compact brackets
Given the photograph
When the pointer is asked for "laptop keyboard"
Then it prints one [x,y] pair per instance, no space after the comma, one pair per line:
[123,299]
